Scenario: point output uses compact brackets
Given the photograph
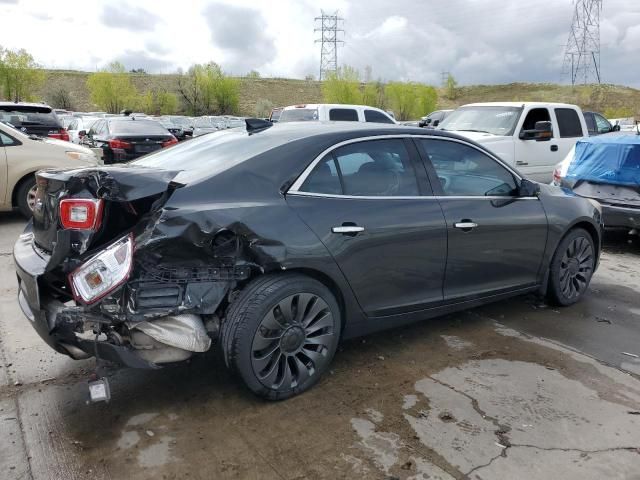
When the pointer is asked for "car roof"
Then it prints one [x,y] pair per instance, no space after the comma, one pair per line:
[288,131]
[327,105]
[26,106]
[518,104]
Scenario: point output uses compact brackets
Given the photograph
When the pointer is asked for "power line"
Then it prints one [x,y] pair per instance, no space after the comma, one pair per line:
[329,28]
[582,52]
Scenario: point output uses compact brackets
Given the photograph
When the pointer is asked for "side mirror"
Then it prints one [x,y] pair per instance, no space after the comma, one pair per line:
[543,131]
[615,128]
[82,133]
[528,188]
[436,123]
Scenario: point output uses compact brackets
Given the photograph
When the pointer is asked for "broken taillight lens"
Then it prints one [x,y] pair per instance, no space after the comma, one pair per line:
[103,273]
[81,213]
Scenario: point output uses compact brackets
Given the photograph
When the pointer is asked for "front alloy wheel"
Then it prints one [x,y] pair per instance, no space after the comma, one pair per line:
[281,333]
[572,267]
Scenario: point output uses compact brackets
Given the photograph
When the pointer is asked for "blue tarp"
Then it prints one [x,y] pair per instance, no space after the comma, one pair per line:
[611,159]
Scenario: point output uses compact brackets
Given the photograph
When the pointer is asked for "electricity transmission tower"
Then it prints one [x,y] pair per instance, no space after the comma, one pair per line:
[329,28]
[582,52]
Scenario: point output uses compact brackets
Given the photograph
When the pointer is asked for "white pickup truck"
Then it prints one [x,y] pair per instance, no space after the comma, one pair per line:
[533,137]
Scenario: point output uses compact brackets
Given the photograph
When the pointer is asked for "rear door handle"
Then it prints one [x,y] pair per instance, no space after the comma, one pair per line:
[347,229]
[466,225]
[520,162]
[554,148]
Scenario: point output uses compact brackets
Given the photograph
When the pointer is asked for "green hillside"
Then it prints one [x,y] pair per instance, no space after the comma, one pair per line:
[288,91]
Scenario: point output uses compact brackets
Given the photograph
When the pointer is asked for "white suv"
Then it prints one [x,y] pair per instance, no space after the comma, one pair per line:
[324,112]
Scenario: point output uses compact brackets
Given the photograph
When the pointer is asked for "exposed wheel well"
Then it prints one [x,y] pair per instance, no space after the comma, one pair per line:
[16,187]
[327,282]
[592,231]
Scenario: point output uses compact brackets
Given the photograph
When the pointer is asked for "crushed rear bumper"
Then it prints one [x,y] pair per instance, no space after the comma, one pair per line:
[58,324]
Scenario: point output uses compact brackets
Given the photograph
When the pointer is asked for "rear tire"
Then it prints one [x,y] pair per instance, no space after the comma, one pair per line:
[25,196]
[281,334]
[571,268]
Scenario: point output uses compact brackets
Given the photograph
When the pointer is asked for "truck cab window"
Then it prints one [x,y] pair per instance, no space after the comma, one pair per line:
[535,115]
[568,123]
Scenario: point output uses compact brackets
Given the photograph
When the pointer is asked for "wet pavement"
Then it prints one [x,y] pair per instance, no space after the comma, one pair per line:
[516,389]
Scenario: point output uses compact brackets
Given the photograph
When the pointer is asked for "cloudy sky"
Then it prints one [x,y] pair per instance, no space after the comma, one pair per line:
[479,41]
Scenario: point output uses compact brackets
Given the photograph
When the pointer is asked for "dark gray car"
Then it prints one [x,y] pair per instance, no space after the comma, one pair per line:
[275,242]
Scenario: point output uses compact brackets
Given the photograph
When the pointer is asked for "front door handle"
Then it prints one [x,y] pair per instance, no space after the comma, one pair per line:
[465,225]
[520,162]
[554,148]
[347,229]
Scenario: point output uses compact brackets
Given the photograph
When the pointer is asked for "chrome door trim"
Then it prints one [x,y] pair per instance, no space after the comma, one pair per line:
[295,187]
[421,197]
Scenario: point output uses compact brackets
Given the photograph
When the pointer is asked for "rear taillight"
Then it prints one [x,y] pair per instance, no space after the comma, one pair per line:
[168,143]
[115,143]
[61,134]
[81,213]
[103,273]
[557,178]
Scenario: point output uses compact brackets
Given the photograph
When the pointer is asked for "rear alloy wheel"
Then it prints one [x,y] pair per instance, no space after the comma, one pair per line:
[26,196]
[572,267]
[281,334]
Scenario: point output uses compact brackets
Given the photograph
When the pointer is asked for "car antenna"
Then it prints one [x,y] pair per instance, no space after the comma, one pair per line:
[255,125]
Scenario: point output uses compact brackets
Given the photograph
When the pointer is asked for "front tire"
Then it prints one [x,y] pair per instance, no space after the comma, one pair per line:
[26,196]
[571,269]
[281,334]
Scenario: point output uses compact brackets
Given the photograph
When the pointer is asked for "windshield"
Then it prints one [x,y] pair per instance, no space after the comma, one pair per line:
[137,127]
[494,120]
[299,115]
[207,155]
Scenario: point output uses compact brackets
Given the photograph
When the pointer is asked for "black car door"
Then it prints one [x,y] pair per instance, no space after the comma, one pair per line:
[496,238]
[367,203]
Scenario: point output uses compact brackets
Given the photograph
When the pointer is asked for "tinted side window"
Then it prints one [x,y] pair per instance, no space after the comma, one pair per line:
[568,123]
[535,115]
[465,171]
[591,124]
[376,168]
[343,114]
[324,178]
[376,117]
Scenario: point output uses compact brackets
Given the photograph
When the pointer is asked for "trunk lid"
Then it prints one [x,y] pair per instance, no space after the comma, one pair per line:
[128,193]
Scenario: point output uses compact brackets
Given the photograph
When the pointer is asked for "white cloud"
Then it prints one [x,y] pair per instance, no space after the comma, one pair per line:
[488,41]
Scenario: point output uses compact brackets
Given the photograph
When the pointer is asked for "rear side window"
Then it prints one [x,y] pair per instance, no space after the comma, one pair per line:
[568,123]
[324,178]
[6,140]
[378,168]
[376,117]
[343,115]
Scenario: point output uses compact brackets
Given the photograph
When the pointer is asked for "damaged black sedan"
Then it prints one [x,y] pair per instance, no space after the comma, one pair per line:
[273,243]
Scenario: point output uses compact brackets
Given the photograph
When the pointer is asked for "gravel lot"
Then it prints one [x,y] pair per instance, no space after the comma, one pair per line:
[513,390]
